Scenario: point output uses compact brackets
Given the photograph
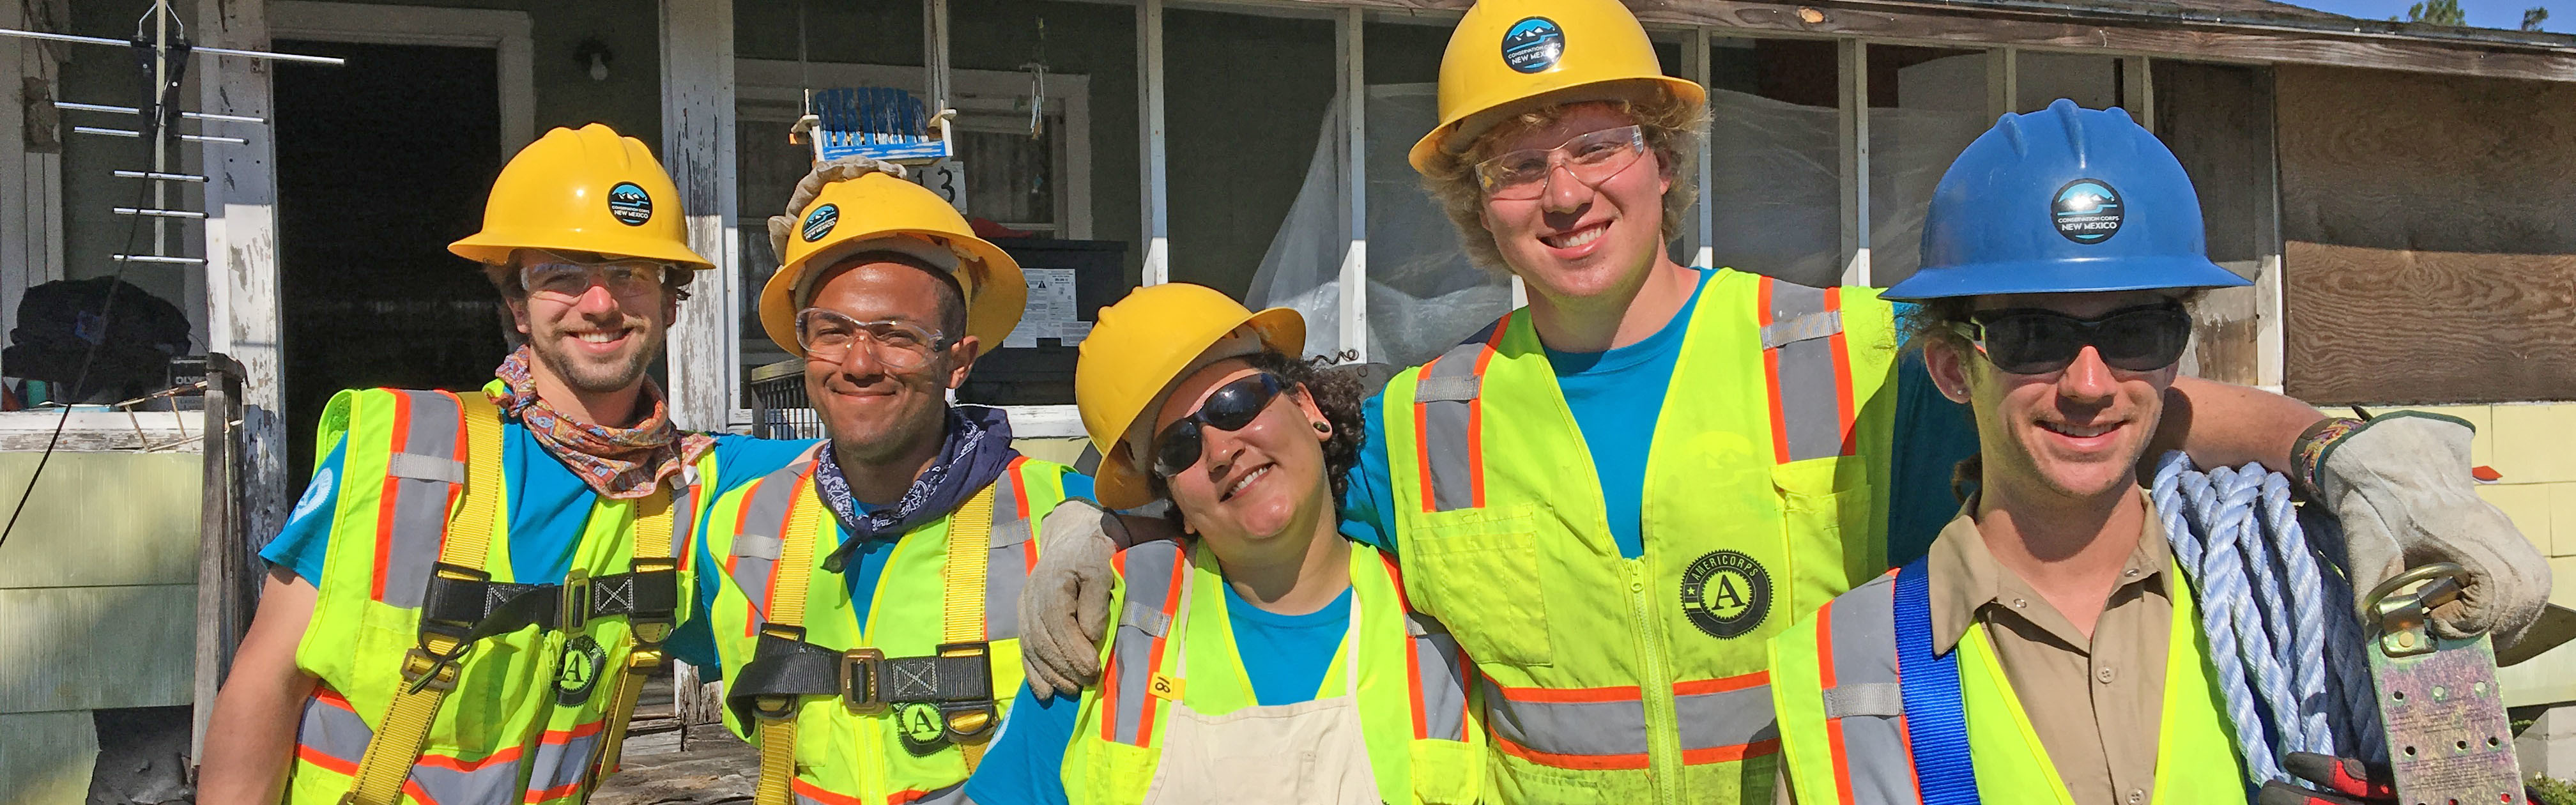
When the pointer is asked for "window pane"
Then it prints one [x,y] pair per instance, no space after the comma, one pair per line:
[1010,177]
[1775,159]
[1926,105]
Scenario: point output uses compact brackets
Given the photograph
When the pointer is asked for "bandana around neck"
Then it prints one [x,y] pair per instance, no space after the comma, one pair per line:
[618,463]
[976,451]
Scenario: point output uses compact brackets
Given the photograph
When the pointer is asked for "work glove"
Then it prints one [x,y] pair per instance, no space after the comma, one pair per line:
[2401,487]
[2340,780]
[781,227]
[1064,607]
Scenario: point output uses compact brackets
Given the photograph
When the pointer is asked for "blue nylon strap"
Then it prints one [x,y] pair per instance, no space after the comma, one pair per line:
[1936,719]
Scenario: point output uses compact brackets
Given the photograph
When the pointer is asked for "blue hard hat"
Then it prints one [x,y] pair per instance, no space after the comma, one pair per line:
[2063,200]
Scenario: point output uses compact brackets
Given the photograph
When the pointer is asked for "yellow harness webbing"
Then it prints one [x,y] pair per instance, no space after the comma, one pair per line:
[970,536]
[427,679]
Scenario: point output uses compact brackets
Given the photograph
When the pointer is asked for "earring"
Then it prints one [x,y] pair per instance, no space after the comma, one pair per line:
[1321,427]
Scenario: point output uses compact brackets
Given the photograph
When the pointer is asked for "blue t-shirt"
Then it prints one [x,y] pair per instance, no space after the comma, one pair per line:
[1932,435]
[694,641]
[1286,657]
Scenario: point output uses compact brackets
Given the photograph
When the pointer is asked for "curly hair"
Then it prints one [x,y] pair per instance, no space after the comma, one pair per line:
[1673,128]
[1339,395]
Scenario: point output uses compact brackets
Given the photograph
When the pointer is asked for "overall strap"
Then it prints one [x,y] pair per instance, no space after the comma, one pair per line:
[970,537]
[785,622]
[429,671]
[1936,722]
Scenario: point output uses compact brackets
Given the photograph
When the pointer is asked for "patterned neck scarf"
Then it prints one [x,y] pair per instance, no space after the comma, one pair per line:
[976,451]
[618,463]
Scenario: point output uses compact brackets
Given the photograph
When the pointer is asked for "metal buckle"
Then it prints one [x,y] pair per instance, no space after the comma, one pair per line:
[2449,739]
[427,671]
[860,670]
[650,629]
[572,602]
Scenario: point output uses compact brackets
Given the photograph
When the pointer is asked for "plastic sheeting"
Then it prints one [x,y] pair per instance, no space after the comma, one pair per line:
[1423,294]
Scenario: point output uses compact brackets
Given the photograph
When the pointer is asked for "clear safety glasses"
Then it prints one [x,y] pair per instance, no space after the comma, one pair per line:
[2031,341]
[556,275]
[828,336]
[1522,175]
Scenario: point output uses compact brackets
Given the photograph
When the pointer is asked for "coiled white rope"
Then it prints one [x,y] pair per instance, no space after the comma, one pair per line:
[2289,660]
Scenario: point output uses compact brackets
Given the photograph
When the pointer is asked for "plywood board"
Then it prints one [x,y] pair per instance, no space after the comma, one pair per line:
[2431,254]
[46,758]
[99,519]
[92,648]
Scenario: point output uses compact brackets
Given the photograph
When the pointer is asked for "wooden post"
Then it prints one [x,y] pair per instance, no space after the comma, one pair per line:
[1854,63]
[1149,86]
[1354,270]
[243,316]
[225,585]
[698,148]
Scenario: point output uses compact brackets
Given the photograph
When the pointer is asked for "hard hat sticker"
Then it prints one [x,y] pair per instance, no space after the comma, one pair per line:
[819,222]
[1726,594]
[630,204]
[2087,211]
[1533,44]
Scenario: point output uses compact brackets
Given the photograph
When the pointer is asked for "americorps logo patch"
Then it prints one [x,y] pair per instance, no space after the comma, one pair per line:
[1533,45]
[1726,594]
[2087,211]
[630,204]
[820,222]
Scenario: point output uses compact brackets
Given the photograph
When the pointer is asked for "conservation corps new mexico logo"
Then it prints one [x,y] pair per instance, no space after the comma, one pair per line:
[1533,45]
[630,204]
[820,222]
[1726,593]
[2087,211]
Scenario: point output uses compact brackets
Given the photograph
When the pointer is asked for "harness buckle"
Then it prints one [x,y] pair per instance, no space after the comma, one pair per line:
[861,668]
[651,627]
[427,670]
[572,603]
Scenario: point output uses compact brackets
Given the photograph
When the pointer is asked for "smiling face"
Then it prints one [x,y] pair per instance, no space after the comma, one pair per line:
[2074,433]
[874,412]
[597,342]
[1261,483]
[1578,240]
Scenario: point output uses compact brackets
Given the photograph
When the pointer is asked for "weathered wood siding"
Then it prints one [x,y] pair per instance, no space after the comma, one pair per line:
[2431,254]
[100,589]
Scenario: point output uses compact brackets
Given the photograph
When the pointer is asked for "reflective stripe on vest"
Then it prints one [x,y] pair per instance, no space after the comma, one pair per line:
[1810,371]
[752,562]
[1864,705]
[1451,423]
[808,793]
[1152,573]
[423,480]
[1605,728]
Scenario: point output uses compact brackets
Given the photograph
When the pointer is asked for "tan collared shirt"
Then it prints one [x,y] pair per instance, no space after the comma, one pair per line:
[2095,703]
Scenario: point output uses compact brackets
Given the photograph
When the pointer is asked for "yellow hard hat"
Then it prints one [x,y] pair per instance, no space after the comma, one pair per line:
[1139,349]
[841,221]
[1510,54]
[586,190]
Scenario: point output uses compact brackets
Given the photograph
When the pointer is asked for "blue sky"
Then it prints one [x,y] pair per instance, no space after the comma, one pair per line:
[2482,13]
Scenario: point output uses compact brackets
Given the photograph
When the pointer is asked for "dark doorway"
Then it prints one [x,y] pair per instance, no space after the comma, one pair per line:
[380,164]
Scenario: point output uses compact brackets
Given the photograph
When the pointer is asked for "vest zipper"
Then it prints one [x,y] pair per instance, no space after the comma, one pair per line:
[1655,692]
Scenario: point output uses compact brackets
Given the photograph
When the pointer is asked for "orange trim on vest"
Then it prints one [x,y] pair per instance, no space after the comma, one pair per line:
[1843,378]
[325,761]
[1019,490]
[1730,754]
[1722,685]
[392,495]
[1771,374]
[1588,762]
[1620,693]
[818,794]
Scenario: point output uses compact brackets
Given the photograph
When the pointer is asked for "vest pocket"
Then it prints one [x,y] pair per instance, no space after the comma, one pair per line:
[1826,509]
[1446,772]
[1478,571]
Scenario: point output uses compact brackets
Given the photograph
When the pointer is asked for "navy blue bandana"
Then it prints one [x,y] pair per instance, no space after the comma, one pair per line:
[976,451]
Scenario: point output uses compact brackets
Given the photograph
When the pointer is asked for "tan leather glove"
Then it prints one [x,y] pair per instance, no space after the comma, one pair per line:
[2400,485]
[1064,607]
[783,226]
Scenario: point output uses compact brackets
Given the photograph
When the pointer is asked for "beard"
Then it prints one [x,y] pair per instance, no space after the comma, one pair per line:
[600,376]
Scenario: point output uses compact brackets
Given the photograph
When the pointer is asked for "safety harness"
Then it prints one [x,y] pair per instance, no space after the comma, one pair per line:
[955,682]
[464,605]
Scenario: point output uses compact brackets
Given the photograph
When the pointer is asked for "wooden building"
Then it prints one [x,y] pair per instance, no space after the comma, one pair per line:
[2400,193]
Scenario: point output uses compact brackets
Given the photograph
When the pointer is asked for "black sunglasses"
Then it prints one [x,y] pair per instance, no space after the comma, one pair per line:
[2031,341]
[1229,408]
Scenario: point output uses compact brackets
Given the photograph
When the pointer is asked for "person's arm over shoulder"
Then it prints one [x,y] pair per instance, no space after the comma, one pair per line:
[1025,765]
[2227,425]
[1367,508]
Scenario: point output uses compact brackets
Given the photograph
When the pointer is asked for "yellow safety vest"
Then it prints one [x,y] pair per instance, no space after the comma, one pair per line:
[913,694]
[1842,725]
[1641,680]
[532,714]
[1423,743]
